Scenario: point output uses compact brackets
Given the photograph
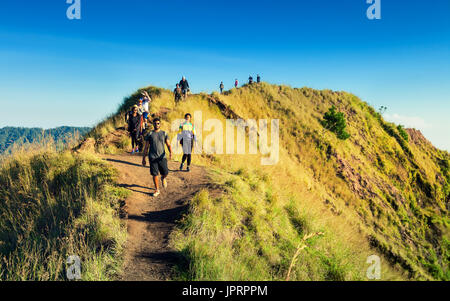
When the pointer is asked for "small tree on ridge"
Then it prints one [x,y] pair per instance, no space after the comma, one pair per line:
[335,121]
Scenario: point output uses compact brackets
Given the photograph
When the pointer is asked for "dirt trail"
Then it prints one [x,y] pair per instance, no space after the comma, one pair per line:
[150,219]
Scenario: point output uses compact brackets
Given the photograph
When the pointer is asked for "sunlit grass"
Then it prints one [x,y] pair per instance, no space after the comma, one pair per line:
[54,205]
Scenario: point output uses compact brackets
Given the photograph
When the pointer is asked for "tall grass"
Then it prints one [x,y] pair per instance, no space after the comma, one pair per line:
[54,205]
[253,232]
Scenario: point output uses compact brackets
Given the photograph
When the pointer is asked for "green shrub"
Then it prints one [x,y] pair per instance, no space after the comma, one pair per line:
[335,122]
[402,132]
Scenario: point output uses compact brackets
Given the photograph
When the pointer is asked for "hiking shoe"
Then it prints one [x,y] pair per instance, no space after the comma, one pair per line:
[156,194]
[188,169]
[164,183]
[181,166]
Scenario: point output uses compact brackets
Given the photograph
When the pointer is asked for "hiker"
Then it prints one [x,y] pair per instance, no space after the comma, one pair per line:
[236,83]
[184,87]
[258,79]
[187,134]
[134,128]
[221,87]
[144,123]
[178,93]
[140,106]
[145,129]
[250,80]
[146,100]
[147,126]
[154,148]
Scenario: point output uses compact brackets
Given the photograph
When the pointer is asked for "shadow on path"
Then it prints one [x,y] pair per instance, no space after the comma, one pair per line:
[163,257]
[130,187]
[125,162]
[164,216]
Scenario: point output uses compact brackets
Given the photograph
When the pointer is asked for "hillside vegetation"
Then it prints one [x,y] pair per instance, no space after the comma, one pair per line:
[382,190]
[347,185]
[55,205]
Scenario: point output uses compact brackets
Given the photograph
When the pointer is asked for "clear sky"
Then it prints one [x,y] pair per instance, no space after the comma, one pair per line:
[55,71]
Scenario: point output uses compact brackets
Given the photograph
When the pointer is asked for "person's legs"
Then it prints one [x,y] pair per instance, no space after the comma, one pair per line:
[164,181]
[133,142]
[182,161]
[137,142]
[154,171]
[188,147]
[156,182]
[189,157]
[164,171]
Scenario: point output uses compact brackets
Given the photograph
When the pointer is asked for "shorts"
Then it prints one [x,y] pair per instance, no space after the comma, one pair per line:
[159,166]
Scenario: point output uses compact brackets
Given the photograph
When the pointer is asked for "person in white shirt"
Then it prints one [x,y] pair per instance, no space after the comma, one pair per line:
[146,100]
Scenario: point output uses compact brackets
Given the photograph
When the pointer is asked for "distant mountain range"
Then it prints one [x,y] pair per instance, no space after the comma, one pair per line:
[10,136]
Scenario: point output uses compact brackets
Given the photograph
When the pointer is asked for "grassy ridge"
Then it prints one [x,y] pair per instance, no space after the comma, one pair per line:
[54,205]
[382,191]
[397,188]
[262,218]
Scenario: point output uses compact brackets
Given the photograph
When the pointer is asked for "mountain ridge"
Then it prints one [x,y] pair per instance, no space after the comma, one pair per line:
[391,180]
[383,191]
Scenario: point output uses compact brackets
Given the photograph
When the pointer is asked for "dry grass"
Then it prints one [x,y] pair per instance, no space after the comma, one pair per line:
[54,205]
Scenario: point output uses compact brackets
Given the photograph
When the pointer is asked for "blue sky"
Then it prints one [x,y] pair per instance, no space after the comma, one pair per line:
[55,71]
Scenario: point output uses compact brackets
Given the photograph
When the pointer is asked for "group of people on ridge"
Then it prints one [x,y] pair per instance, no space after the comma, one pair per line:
[236,82]
[137,120]
[250,79]
[182,89]
[153,143]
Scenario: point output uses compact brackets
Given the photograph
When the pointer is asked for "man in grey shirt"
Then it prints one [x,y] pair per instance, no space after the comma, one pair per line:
[155,143]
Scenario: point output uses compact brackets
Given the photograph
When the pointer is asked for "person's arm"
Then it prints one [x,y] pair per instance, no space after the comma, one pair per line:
[148,96]
[169,147]
[144,154]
